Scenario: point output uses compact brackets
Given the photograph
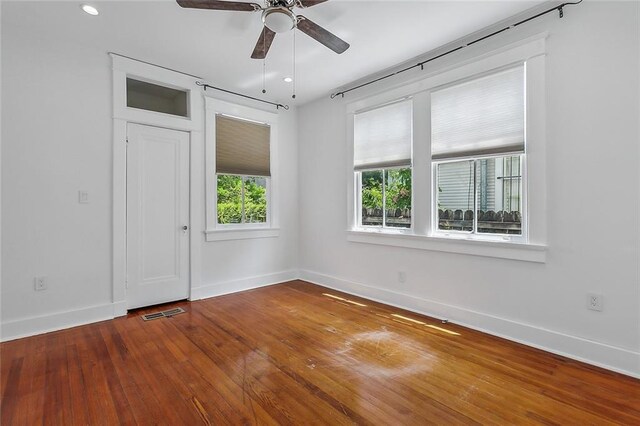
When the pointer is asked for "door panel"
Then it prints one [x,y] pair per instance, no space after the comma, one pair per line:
[157,211]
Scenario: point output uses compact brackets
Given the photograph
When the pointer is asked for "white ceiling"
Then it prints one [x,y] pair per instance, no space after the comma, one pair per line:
[216,45]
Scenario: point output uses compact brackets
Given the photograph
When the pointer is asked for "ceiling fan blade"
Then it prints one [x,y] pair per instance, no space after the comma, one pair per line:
[219,5]
[309,3]
[263,44]
[318,33]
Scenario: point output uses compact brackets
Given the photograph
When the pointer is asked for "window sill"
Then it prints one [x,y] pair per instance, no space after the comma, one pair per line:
[241,234]
[503,250]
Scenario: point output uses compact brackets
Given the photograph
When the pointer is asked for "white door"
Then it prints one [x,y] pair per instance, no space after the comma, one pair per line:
[157,215]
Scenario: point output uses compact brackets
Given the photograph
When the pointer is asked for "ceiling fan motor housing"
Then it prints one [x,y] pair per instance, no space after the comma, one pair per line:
[279,19]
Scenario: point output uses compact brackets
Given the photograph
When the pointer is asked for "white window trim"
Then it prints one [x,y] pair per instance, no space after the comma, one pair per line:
[422,235]
[224,232]
[504,250]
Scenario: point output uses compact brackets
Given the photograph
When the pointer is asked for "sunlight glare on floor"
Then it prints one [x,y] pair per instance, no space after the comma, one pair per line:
[342,299]
[435,327]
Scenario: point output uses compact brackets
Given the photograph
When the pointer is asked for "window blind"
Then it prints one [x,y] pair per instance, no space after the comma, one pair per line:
[242,147]
[480,117]
[382,136]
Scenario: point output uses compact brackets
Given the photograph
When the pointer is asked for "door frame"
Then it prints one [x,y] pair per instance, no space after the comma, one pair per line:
[193,124]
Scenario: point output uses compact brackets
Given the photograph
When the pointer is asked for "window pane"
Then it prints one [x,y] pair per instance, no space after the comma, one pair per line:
[229,199]
[499,184]
[152,97]
[255,200]
[455,196]
[371,198]
[398,198]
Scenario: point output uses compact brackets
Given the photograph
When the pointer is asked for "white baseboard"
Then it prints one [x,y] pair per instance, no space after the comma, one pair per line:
[602,355]
[234,286]
[31,326]
[57,321]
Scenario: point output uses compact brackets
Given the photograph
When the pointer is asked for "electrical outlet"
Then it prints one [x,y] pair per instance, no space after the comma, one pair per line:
[402,277]
[40,283]
[594,301]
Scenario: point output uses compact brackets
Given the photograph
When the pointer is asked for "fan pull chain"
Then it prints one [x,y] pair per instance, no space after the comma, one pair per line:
[264,62]
[293,96]
[264,72]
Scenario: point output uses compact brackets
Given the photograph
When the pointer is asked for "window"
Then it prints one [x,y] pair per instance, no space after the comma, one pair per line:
[473,169]
[241,172]
[153,97]
[382,165]
[243,169]
[477,152]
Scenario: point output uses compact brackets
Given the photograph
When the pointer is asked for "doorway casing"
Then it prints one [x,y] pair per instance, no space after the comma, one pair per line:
[194,124]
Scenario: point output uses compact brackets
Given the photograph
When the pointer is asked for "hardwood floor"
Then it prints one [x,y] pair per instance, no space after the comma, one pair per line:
[297,353]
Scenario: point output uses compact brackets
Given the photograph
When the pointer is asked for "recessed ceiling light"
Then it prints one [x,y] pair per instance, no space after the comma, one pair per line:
[288,79]
[90,10]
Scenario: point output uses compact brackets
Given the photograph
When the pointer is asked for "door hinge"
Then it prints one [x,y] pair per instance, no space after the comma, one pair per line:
[127,140]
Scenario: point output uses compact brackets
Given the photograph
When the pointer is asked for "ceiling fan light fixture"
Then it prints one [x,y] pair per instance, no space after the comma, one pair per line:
[279,19]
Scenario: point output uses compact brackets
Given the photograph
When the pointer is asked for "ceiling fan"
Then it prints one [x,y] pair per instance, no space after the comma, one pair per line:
[277,17]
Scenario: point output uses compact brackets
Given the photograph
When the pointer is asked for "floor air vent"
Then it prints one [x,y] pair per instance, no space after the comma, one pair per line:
[163,314]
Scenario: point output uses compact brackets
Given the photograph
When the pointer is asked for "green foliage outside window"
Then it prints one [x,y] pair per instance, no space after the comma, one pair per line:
[372,189]
[230,208]
[255,200]
[397,191]
[229,199]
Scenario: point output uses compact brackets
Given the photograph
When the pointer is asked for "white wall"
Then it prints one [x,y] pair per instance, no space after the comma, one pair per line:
[57,140]
[592,174]
[56,107]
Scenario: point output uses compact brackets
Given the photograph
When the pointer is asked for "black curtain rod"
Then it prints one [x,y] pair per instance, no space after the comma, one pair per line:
[559,8]
[208,86]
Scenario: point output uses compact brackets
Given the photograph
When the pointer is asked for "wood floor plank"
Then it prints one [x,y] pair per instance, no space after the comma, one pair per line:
[10,396]
[297,353]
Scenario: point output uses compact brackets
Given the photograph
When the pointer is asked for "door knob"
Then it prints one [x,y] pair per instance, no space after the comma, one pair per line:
[185,227]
